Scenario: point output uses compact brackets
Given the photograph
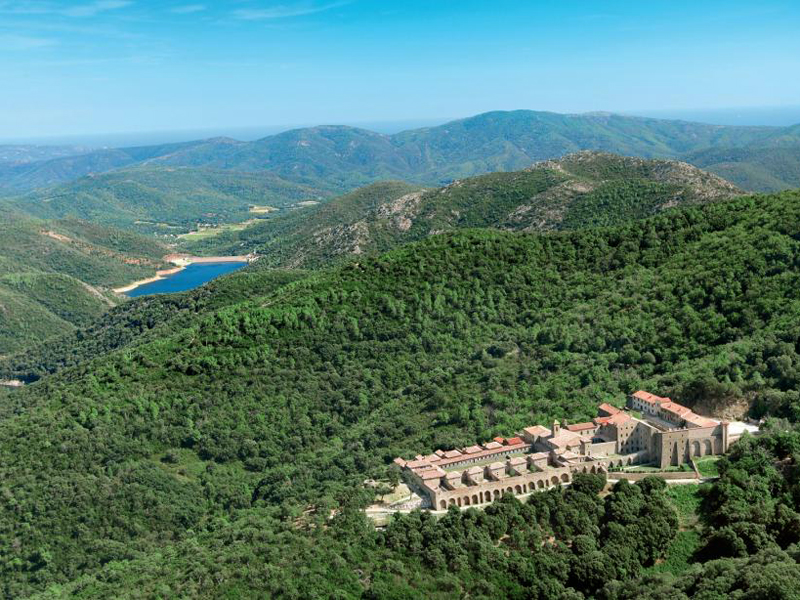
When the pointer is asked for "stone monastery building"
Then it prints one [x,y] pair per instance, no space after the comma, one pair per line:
[538,458]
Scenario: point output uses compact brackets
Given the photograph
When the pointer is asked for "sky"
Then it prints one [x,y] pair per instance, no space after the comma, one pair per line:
[92,67]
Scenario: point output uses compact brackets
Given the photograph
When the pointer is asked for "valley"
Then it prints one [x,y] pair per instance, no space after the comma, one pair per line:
[172,404]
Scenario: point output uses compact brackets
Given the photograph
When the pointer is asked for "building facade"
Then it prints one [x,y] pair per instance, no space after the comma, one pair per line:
[538,458]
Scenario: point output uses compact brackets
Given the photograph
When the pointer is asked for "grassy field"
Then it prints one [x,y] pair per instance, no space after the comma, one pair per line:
[686,500]
[209,232]
[708,466]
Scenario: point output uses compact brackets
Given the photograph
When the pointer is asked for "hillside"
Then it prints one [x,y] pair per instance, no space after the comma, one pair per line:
[340,158]
[55,275]
[580,190]
[191,463]
[164,200]
[758,169]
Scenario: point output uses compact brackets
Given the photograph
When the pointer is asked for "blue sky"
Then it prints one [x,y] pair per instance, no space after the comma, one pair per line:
[135,65]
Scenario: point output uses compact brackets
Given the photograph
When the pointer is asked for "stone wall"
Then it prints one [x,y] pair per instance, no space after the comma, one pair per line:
[663,474]
[490,491]
[680,446]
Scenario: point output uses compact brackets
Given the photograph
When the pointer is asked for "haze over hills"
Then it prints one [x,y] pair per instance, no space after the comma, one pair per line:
[580,190]
[182,457]
[341,158]
[758,169]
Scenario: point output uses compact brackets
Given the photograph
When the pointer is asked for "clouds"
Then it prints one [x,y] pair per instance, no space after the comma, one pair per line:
[83,10]
[283,11]
[188,9]
[22,43]
[94,8]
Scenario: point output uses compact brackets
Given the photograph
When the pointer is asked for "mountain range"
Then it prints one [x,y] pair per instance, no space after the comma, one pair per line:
[586,189]
[223,451]
[340,158]
[166,200]
[63,260]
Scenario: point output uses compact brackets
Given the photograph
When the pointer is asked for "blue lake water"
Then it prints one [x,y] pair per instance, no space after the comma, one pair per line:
[189,278]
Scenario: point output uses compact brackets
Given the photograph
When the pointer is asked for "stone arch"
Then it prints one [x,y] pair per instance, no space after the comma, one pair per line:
[593,469]
[443,504]
[565,477]
[554,480]
[586,469]
[452,501]
[458,501]
[475,499]
[496,494]
[696,449]
[630,461]
[466,500]
[540,484]
[517,489]
[509,490]
[708,447]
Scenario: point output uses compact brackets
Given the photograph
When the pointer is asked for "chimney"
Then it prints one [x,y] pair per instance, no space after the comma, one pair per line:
[556,427]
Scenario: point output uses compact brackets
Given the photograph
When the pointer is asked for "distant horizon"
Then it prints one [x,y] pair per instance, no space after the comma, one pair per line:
[98,67]
[751,116]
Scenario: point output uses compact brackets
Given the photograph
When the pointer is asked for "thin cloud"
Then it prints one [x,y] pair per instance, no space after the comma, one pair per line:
[285,10]
[188,9]
[15,42]
[95,8]
[89,9]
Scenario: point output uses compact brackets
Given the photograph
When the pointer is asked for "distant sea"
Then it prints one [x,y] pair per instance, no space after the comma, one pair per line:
[777,116]
[189,278]
[768,115]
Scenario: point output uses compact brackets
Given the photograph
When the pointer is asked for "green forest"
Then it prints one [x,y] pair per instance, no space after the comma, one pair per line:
[56,275]
[219,447]
[585,189]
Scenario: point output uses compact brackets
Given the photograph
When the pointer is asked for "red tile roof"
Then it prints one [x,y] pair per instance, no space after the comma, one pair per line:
[581,426]
[537,430]
[675,408]
[513,441]
[649,398]
[619,418]
[608,409]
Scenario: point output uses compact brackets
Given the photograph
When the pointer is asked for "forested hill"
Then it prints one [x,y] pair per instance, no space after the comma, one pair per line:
[55,275]
[191,464]
[344,158]
[580,190]
[166,200]
[757,169]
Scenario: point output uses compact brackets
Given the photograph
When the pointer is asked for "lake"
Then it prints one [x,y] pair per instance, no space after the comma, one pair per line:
[189,278]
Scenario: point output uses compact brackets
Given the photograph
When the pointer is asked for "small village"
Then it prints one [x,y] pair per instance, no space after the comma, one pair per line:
[651,431]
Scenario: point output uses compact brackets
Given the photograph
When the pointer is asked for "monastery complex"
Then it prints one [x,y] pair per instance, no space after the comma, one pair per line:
[667,434]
